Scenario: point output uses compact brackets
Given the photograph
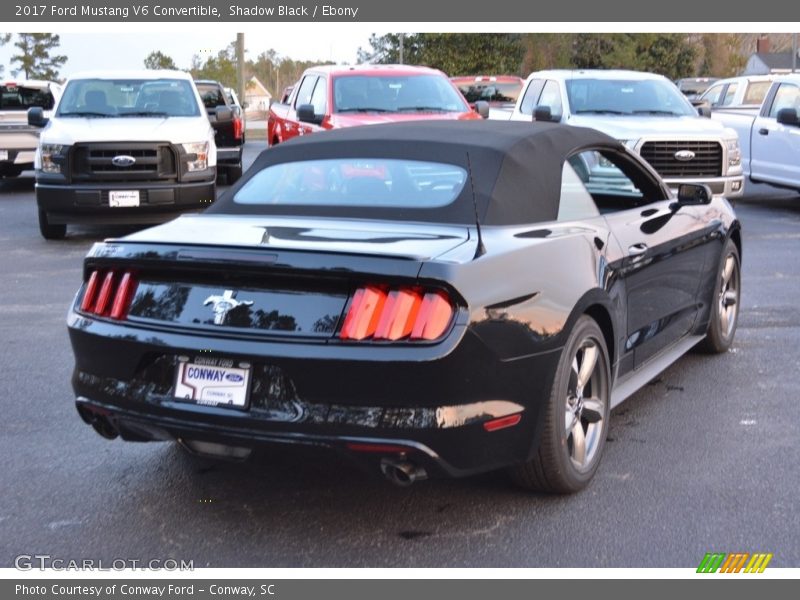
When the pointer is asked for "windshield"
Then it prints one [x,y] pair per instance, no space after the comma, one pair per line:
[18,97]
[128,97]
[627,97]
[491,91]
[374,182]
[396,94]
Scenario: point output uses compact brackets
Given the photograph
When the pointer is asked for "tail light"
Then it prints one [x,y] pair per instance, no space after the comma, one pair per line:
[238,128]
[108,294]
[406,313]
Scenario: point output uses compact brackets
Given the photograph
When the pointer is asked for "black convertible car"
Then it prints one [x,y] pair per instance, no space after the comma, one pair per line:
[437,298]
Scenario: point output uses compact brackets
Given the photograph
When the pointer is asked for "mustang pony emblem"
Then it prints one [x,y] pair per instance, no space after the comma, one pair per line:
[222,305]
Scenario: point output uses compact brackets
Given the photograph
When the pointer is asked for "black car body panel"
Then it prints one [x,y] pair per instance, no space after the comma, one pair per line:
[645,274]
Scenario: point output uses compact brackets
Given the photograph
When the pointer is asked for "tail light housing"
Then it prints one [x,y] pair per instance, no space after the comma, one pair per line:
[381,313]
[238,128]
[108,294]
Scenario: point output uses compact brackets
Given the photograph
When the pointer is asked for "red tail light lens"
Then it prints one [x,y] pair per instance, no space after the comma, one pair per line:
[108,295]
[376,313]
[238,128]
[90,293]
[123,296]
[365,310]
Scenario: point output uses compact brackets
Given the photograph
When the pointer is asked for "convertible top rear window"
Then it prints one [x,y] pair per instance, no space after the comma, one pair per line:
[351,182]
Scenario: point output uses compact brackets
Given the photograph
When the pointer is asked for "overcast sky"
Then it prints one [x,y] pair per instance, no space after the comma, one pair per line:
[88,51]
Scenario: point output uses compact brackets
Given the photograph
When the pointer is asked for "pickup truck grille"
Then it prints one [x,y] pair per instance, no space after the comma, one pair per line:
[153,162]
[707,161]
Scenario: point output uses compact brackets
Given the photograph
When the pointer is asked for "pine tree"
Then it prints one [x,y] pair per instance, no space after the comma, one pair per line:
[159,60]
[34,58]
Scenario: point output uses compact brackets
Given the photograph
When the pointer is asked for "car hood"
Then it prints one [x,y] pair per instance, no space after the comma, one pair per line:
[414,241]
[634,128]
[70,130]
[353,120]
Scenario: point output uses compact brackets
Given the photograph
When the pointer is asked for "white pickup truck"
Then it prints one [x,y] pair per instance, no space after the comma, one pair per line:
[647,113]
[771,138]
[124,147]
[18,140]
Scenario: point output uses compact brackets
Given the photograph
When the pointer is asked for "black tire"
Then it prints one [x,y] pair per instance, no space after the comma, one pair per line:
[553,467]
[725,303]
[49,230]
[233,174]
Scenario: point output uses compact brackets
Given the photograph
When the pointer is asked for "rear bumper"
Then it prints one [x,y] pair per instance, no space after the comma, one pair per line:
[229,156]
[89,203]
[433,406]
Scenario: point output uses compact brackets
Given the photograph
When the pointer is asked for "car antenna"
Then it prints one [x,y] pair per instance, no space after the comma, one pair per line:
[481,249]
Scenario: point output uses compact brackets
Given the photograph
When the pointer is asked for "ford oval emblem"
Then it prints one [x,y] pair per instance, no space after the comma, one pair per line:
[235,377]
[123,160]
[684,155]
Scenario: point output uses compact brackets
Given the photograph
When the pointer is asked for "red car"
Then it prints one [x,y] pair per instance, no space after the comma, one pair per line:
[331,97]
[500,91]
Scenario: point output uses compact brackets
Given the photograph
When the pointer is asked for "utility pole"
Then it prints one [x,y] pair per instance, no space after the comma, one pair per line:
[402,37]
[794,52]
[240,83]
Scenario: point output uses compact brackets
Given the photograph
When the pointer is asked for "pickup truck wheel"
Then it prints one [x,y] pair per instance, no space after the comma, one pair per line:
[724,303]
[575,416]
[233,174]
[50,231]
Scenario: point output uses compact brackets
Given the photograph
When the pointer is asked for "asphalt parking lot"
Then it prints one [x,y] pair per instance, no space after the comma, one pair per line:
[704,459]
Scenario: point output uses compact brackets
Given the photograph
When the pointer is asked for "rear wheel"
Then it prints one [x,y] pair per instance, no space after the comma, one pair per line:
[725,303]
[576,416]
[49,230]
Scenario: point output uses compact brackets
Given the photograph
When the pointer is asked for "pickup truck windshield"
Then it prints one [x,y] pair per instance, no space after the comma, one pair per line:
[627,97]
[395,94]
[96,98]
[18,97]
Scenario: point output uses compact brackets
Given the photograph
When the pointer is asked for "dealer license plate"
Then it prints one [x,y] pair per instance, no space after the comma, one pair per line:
[121,199]
[214,382]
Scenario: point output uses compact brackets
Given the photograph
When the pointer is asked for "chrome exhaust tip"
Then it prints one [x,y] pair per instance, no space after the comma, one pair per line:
[402,473]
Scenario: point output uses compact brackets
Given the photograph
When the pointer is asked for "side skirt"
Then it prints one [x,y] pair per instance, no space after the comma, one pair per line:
[640,377]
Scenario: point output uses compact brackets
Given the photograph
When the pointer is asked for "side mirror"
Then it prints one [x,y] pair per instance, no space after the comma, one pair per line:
[785,116]
[223,114]
[704,109]
[692,194]
[245,104]
[545,113]
[36,117]
[482,108]
[306,114]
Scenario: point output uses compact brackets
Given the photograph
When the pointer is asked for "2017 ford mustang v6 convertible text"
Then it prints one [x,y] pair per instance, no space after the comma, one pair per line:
[437,298]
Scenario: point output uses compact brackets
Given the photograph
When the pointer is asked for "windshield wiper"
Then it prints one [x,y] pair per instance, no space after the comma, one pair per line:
[601,111]
[656,112]
[422,108]
[363,109]
[86,113]
[144,113]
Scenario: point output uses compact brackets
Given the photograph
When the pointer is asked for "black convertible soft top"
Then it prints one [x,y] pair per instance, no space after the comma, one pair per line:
[515,167]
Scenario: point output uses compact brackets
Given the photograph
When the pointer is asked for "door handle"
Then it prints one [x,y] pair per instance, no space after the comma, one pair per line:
[763,131]
[637,249]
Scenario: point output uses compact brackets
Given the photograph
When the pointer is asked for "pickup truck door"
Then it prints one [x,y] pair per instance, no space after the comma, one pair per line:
[774,147]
